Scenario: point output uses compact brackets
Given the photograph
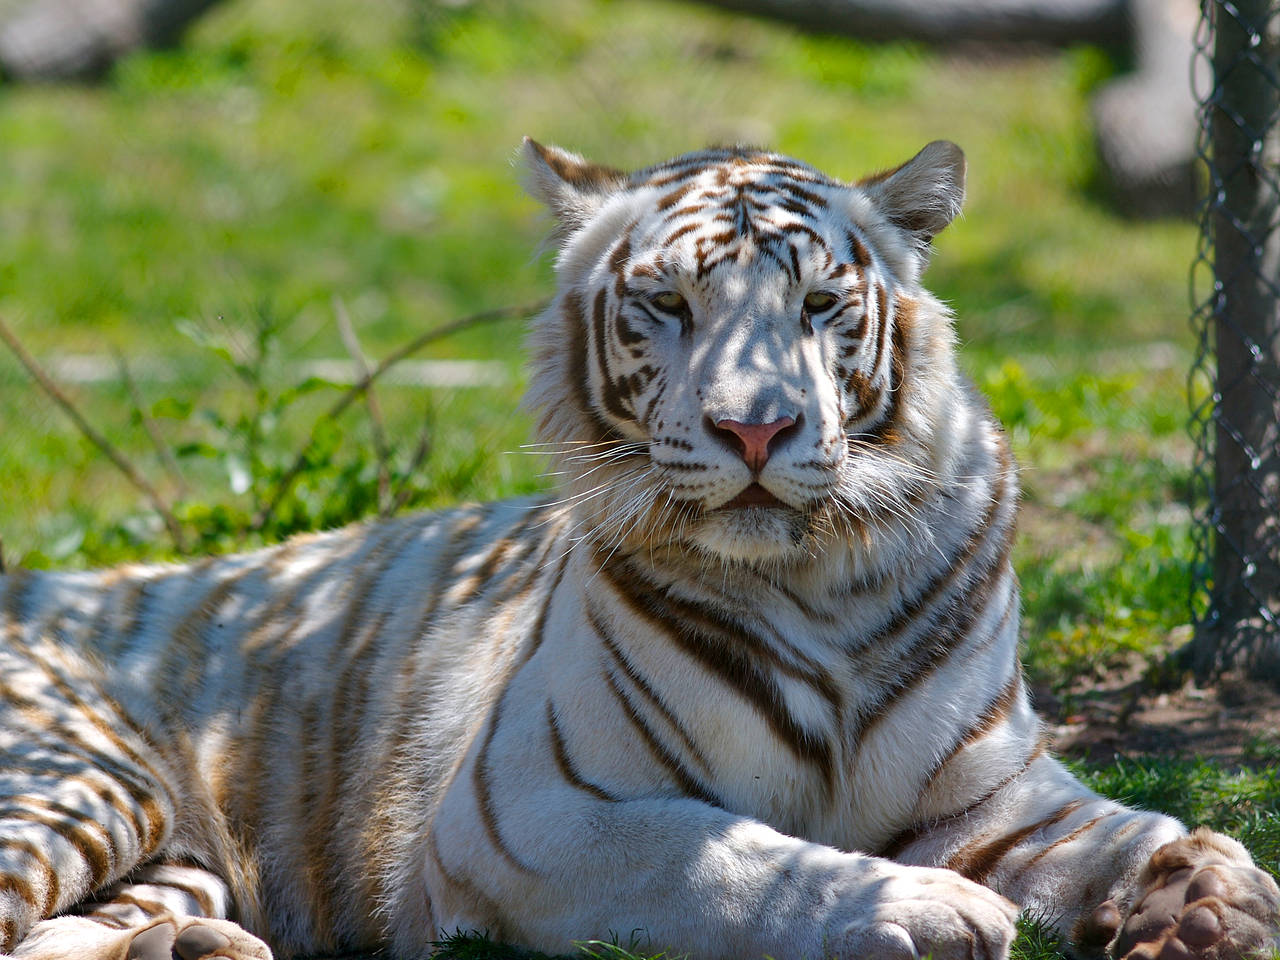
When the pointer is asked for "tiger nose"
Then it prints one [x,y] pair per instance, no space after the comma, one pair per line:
[751,440]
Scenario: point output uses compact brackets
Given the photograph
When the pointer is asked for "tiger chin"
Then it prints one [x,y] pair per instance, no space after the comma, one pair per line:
[745,683]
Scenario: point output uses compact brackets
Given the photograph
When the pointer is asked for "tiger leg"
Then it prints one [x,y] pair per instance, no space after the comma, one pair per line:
[84,797]
[1116,881]
[72,818]
[162,911]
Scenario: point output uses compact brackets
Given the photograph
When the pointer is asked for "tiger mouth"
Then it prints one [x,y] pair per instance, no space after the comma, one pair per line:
[753,496]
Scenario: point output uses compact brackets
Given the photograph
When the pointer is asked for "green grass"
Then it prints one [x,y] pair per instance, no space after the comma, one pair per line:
[294,151]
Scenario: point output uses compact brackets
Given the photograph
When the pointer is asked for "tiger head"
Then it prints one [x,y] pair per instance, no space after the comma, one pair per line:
[740,360]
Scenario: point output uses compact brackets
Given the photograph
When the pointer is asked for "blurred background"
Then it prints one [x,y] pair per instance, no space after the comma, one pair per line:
[197,240]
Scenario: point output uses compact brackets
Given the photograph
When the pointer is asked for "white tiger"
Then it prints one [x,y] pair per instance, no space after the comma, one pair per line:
[745,683]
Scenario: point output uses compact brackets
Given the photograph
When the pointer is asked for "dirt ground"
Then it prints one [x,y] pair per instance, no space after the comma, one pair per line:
[1126,714]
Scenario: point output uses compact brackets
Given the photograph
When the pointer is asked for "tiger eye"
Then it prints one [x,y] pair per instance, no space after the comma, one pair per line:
[819,301]
[671,301]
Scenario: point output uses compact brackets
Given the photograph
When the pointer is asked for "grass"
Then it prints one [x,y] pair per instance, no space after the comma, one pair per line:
[208,203]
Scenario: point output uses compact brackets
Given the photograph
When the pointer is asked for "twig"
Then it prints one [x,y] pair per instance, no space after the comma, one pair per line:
[415,463]
[165,453]
[93,436]
[352,343]
[285,484]
[1,557]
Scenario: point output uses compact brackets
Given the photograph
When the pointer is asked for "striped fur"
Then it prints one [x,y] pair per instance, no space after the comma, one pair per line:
[704,690]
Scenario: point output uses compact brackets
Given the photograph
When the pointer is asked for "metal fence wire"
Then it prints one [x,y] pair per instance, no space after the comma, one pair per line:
[1235,379]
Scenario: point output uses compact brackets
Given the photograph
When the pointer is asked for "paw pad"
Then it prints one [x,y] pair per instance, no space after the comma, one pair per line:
[196,942]
[1202,900]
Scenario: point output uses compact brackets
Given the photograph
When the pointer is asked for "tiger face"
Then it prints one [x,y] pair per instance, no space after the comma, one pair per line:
[739,346]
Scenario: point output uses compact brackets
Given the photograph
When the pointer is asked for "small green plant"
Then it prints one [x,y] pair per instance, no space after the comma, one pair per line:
[267,458]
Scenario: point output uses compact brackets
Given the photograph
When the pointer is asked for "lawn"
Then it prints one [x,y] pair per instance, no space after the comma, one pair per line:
[210,211]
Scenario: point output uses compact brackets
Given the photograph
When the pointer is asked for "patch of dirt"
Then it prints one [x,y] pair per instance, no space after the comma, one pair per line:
[1136,711]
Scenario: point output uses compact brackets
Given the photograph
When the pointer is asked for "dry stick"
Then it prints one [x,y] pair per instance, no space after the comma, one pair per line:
[415,462]
[286,482]
[153,431]
[348,333]
[98,440]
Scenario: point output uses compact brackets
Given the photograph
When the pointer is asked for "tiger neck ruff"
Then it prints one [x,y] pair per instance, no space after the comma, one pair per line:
[745,684]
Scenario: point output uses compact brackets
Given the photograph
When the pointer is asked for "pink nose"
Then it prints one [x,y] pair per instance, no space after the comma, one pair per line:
[753,439]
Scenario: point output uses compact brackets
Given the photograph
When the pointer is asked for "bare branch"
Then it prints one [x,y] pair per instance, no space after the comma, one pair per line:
[163,449]
[158,503]
[376,426]
[415,463]
[286,482]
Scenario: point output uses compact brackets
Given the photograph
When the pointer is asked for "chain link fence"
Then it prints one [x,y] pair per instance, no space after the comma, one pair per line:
[1235,380]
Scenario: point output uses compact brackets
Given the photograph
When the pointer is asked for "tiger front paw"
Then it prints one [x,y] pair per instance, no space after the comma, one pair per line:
[935,913]
[172,938]
[1198,898]
[188,938]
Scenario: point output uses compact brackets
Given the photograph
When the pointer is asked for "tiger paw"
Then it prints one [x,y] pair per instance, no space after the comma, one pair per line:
[1198,898]
[189,938]
[173,938]
[923,912]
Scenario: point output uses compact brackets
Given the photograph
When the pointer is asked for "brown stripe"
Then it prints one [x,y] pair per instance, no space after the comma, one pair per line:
[95,851]
[145,792]
[199,894]
[946,578]
[995,713]
[479,770]
[882,326]
[670,199]
[977,860]
[151,908]
[41,857]
[186,655]
[326,876]
[500,928]
[685,780]
[575,319]
[18,885]
[496,558]
[564,763]
[719,620]
[484,797]
[104,793]
[858,250]
[1065,839]
[858,385]
[640,683]
[724,646]
[895,847]
[20,582]
[946,633]
[108,920]
[679,232]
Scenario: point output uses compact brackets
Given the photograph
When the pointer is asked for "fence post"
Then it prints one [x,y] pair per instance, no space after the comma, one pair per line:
[1240,325]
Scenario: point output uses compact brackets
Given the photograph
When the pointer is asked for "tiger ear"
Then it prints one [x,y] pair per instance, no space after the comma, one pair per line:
[924,194]
[571,187]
